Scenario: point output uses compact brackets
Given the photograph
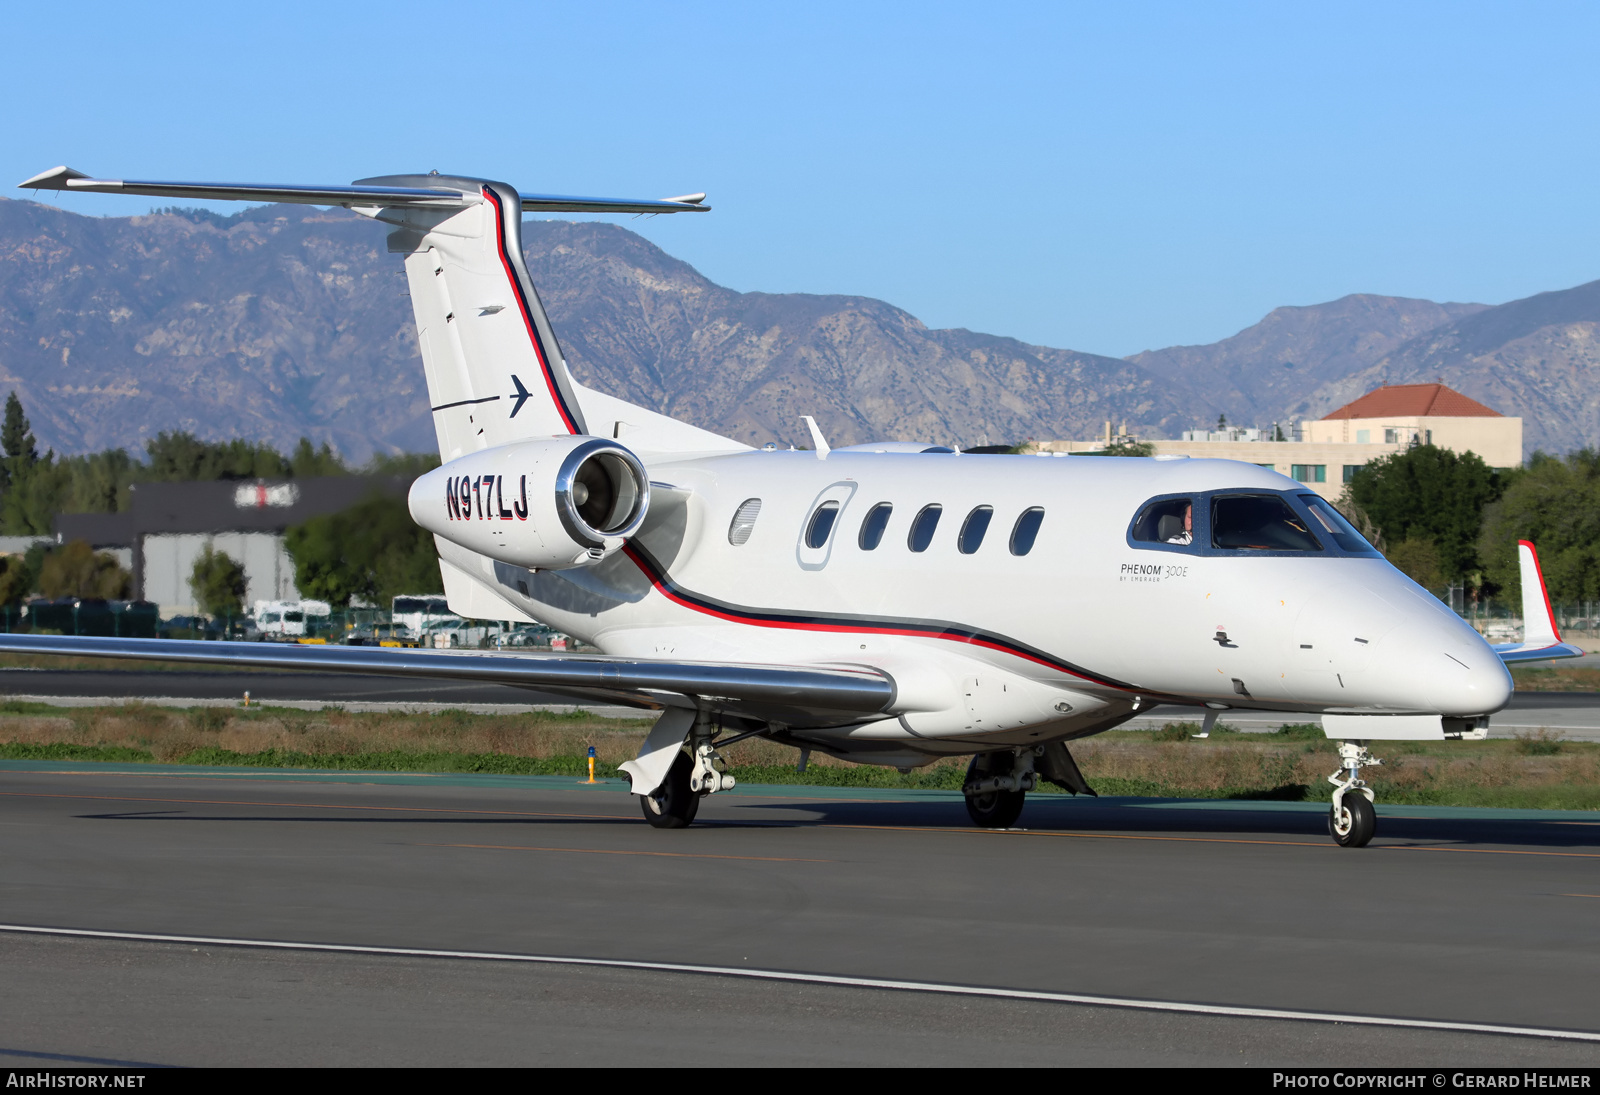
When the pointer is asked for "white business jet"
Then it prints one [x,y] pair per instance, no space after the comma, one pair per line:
[888,604]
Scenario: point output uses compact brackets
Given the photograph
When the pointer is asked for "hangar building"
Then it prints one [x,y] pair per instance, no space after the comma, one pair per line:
[168,525]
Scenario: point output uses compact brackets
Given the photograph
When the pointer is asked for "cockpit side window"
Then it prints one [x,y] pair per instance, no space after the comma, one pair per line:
[1258,522]
[1169,521]
[1331,523]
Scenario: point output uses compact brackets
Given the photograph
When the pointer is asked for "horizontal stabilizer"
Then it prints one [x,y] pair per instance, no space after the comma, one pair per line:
[818,691]
[448,192]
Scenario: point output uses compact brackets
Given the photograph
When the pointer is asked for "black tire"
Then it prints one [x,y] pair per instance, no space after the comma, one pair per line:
[673,805]
[993,809]
[996,809]
[1352,824]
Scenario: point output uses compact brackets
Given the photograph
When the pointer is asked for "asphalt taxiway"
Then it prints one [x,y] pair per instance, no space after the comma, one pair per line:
[1450,917]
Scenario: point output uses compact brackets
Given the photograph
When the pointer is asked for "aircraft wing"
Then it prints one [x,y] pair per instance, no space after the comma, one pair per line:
[795,695]
[1540,639]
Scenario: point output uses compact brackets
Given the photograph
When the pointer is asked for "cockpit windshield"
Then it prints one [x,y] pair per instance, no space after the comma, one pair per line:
[1336,527]
[1258,522]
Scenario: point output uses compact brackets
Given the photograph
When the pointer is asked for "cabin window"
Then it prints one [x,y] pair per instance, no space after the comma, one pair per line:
[1026,530]
[744,521]
[922,527]
[821,524]
[1331,522]
[1259,522]
[1169,521]
[973,528]
[872,528]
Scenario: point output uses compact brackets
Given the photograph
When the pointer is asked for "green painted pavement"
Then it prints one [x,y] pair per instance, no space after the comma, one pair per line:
[745,790]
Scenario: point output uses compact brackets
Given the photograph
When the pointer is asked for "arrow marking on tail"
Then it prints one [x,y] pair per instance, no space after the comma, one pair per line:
[520,395]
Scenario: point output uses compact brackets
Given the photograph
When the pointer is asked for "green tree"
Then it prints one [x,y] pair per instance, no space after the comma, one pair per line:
[372,551]
[1419,561]
[1555,504]
[307,461]
[76,570]
[407,464]
[218,583]
[181,457]
[17,579]
[16,436]
[1429,493]
[26,479]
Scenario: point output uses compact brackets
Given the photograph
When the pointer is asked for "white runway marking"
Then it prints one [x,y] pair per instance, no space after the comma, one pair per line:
[834,979]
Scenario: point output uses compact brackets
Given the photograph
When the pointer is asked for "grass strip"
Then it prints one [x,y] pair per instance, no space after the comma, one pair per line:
[946,777]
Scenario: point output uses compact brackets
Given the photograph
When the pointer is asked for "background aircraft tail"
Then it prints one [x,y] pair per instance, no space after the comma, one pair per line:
[1540,639]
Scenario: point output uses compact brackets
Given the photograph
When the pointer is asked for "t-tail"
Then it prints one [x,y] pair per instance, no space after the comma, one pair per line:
[494,367]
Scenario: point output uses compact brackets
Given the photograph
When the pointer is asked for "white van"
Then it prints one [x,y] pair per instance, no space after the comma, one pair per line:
[287,619]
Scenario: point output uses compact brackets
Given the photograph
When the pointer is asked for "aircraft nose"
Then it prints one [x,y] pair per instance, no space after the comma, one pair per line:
[1440,665]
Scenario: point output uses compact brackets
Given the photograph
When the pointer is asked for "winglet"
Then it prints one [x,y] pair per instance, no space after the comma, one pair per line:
[54,179]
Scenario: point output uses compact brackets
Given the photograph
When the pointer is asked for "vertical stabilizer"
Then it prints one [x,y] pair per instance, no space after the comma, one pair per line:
[495,372]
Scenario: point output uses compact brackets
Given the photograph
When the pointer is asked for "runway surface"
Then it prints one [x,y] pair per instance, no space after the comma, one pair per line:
[1452,915]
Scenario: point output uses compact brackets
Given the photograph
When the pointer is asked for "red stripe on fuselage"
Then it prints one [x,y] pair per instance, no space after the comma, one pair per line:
[527,316]
[657,580]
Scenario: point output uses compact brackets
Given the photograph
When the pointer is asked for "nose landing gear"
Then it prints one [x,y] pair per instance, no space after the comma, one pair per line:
[1352,820]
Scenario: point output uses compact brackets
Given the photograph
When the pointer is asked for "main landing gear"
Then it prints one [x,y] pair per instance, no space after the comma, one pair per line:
[697,771]
[996,785]
[1352,820]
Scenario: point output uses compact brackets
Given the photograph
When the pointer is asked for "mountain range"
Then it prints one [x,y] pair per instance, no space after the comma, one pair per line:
[283,321]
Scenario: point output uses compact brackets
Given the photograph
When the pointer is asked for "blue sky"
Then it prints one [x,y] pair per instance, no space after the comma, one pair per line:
[1104,177]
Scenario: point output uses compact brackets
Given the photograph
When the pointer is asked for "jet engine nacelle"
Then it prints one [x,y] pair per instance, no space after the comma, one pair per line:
[552,504]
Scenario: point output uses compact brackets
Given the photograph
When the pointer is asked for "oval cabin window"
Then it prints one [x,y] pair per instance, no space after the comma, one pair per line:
[744,521]
[821,524]
[1026,530]
[872,528]
[973,528]
[927,520]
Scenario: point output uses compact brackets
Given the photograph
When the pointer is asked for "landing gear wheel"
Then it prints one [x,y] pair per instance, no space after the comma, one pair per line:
[672,805]
[996,809]
[1353,821]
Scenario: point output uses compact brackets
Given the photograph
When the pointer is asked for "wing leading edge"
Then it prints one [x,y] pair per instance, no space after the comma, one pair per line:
[1540,639]
[795,695]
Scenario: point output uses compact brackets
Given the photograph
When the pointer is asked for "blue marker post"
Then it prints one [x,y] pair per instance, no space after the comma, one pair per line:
[591,765]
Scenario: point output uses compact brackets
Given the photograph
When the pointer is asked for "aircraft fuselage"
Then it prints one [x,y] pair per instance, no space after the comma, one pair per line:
[990,643]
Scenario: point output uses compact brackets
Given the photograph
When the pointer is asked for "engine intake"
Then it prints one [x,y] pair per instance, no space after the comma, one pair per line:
[552,504]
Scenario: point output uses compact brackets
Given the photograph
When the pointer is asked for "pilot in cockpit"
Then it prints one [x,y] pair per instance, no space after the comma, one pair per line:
[1177,530]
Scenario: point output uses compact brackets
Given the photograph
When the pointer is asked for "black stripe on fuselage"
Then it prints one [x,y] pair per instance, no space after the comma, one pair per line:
[936,629]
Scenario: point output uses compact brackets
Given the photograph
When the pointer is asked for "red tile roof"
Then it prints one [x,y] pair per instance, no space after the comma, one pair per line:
[1412,401]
